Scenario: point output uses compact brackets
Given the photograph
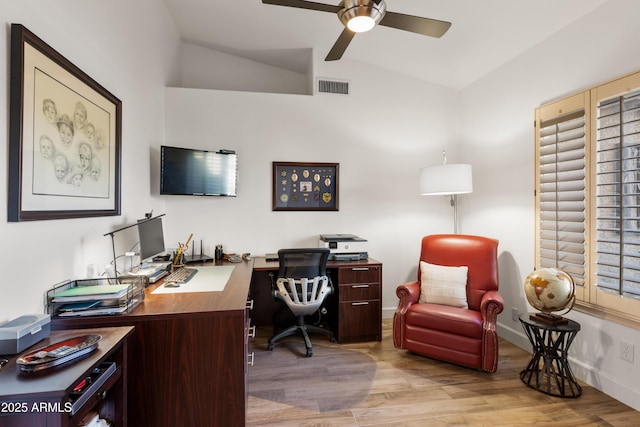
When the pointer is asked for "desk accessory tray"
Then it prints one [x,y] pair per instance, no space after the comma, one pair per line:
[58,353]
[95,297]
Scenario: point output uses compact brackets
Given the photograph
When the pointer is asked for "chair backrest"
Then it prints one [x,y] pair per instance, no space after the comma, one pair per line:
[479,254]
[303,262]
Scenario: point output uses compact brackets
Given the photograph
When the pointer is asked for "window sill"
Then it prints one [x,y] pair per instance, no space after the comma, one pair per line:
[607,314]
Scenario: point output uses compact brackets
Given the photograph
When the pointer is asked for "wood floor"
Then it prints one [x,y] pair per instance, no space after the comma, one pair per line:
[410,390]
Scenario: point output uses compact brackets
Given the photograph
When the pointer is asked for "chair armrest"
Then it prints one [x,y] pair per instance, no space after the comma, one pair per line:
[408,293]
[491,305]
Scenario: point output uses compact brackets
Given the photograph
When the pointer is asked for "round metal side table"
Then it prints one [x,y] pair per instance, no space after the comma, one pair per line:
[548,370]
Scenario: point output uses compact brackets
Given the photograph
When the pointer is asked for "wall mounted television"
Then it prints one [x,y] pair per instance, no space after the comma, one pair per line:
[193,172]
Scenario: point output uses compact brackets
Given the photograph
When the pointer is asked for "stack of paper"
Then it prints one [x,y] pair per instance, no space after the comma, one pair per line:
[92,300]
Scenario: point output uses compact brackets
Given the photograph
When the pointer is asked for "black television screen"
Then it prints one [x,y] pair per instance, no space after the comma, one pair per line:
[198,172]
[151,238]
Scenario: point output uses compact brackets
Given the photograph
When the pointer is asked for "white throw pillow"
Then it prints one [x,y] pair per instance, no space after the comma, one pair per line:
[443,285]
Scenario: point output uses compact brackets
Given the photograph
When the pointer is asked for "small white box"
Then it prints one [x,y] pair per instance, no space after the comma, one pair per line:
[23,332]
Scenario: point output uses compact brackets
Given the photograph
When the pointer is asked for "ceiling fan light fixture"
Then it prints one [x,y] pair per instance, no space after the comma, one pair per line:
[361,24]
[361,15]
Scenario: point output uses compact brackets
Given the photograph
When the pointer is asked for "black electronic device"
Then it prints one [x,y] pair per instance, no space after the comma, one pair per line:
[202,257]
[151,238]
[186,171]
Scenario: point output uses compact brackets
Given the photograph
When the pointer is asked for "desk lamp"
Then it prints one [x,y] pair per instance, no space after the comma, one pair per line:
[447,180]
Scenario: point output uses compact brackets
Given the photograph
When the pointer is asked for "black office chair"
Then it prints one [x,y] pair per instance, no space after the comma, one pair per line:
[303,285]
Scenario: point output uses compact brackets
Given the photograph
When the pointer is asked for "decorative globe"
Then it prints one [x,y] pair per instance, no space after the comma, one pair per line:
[550,289]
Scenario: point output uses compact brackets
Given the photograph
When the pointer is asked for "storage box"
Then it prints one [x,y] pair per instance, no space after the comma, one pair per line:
[23,332]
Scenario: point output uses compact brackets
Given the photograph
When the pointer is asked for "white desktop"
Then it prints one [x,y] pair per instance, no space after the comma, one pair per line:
[212,278]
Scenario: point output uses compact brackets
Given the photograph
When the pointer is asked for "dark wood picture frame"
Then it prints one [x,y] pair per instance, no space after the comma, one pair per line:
[300,186]
[65,134]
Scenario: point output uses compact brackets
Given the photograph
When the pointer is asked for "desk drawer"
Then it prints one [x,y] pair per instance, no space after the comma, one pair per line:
[359,292]
[365,274]
[360,321]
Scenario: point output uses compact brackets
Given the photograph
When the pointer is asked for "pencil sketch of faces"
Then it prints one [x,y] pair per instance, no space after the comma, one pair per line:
[60,166]
[96,169]
[80,116]
[84,152]
[66,130]
[101,140]
[76,175]
[46,147]
[90,133]
[50,111]
[76,151]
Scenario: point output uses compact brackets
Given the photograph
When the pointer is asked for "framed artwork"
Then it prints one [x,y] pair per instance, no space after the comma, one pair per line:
[64,137]
[305,186]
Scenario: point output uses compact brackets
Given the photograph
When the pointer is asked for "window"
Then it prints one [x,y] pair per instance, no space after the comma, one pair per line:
[561,188]
[588,195]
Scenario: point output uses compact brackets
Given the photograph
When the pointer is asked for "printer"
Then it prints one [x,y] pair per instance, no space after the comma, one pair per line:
[344,247]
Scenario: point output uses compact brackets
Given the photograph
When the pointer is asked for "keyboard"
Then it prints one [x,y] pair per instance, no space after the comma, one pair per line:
[181,275]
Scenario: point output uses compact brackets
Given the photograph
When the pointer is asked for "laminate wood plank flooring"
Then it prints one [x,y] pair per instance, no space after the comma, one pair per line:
[411,390]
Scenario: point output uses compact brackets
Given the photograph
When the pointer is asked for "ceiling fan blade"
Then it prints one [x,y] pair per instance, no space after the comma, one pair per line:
[302,4]
[415,24]
[340,45]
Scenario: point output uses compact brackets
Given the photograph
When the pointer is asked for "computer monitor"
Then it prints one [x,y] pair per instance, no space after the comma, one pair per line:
[151,238]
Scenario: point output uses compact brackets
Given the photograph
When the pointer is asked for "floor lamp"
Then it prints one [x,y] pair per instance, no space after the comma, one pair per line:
[447,180]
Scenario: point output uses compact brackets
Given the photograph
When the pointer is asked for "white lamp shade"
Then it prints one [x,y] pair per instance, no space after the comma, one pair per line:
[446,179]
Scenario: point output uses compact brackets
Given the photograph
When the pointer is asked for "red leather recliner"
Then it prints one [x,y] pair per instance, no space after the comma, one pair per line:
[459,335]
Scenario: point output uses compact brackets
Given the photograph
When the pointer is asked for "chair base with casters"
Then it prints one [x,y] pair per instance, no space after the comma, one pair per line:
[304,330]
[302,285]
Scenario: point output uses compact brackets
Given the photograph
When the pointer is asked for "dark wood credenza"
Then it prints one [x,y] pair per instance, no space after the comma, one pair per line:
[187,358]
[44,398]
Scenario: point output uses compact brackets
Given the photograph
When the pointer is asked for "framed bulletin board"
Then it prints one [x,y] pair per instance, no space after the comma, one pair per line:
[305,186]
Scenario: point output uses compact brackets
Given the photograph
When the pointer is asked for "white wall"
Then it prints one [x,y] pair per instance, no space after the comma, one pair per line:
[498,140]
[129,48]
[380,147]
[204,68]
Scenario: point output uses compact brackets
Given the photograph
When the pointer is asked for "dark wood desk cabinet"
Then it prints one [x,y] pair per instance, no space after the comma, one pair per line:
[354,310]
[187,356]
[359,299]
[43,398]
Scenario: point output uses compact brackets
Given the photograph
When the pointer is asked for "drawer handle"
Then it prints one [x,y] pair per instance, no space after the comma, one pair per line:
[249,305]
[360,303]
[250,358]
[252,332]
[360,269]
[359,286]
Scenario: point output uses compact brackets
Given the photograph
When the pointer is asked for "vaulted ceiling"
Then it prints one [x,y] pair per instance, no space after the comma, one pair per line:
[484,34]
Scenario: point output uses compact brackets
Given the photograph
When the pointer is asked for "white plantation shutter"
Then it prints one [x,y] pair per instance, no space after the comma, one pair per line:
[588,195]
[561,187]
[618,195]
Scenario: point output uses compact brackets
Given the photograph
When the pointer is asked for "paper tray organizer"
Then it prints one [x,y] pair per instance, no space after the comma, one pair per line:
[82,298]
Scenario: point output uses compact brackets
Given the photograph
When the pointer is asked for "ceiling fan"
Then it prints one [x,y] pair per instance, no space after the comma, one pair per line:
[362,15]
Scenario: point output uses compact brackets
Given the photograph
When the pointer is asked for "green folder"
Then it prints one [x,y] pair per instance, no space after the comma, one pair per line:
[91,293]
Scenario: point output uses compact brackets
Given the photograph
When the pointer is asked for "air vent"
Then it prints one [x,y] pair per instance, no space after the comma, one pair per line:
[333,86]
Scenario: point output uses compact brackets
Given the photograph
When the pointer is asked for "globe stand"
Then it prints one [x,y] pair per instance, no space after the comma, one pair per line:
[549,318]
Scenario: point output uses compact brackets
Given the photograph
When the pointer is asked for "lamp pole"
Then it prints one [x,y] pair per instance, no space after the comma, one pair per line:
[454,203]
